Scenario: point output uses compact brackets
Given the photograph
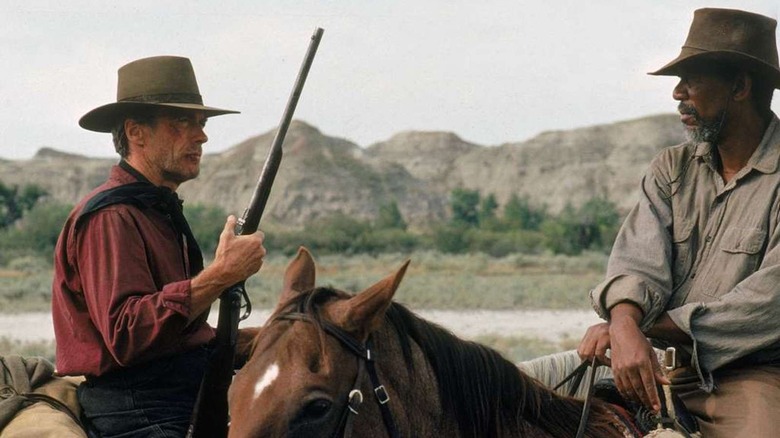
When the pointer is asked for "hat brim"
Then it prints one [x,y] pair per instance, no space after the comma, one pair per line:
[682,64]
[105,118]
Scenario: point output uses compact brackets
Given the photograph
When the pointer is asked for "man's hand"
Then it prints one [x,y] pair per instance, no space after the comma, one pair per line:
[237,257]
[634,363]
[595,344]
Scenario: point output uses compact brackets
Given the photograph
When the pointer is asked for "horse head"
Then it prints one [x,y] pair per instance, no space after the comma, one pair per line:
[298,378]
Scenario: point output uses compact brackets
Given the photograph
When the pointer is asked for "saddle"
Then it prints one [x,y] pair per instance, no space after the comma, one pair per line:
[673,414]
[34,402]
[638,421]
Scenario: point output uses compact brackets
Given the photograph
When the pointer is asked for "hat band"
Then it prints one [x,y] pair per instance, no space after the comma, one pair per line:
[166,98]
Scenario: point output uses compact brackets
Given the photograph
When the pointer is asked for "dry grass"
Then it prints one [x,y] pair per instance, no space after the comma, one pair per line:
[437,281]
[433,280]
[11,273]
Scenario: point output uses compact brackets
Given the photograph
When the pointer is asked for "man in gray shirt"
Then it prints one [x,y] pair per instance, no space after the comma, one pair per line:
[696,264]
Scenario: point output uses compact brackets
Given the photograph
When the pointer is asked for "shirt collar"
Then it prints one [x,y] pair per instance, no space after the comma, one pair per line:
[765,157]
[132,171]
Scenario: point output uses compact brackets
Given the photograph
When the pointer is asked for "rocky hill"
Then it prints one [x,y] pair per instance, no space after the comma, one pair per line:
[321,174]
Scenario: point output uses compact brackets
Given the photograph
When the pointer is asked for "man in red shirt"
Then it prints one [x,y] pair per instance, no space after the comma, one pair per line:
[130,293]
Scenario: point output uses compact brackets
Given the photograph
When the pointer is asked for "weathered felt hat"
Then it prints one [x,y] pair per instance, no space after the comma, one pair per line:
[159,81]
[732,36]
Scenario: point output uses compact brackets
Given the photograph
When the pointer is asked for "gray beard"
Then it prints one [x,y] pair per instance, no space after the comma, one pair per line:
[708,130]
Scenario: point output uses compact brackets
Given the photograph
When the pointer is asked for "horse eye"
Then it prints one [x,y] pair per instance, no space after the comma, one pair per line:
[316,409]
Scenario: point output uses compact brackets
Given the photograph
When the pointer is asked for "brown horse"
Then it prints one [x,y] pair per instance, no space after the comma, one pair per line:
[321,344]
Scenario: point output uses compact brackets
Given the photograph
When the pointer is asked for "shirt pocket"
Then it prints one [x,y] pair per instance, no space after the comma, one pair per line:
[683,241]
[741,254]
[743,240]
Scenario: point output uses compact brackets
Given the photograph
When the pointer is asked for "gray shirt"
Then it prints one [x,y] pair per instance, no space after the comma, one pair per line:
[707,252]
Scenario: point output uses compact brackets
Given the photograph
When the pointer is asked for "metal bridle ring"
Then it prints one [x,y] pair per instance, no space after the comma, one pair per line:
[355,400]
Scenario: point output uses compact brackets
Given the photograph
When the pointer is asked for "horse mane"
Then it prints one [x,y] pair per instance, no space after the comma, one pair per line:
[485,392]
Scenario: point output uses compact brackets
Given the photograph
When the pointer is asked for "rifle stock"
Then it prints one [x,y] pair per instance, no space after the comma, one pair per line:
[210,416]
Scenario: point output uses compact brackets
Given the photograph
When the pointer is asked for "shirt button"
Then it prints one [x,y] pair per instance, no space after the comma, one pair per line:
[709,239]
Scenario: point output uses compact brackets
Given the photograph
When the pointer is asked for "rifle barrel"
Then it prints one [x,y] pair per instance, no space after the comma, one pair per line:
[210,414]
[250,221]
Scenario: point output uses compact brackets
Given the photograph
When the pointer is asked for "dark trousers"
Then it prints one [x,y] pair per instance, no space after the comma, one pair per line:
[151,400]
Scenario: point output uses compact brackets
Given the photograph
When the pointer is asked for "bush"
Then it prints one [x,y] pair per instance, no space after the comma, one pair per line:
[14,203]
[500,244]
[29,264]
[464,204]
[593,226]
[206,222]
[37,232]
[389,240]
[450,239]
[390,217]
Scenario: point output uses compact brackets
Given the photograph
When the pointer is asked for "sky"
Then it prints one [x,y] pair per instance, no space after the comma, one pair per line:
[491,71]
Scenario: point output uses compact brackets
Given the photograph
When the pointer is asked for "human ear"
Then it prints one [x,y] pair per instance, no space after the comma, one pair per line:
[742,87]
[134,132]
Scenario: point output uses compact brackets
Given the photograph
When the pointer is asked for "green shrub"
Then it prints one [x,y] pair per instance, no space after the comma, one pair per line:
[389,217]
[206,222]
[14,203]
[450,238]
[37,231]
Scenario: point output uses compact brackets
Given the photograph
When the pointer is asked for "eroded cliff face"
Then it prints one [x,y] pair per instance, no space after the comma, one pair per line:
[321,174]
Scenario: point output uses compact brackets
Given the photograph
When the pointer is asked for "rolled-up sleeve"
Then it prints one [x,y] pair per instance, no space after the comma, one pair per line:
[639,269]
[743,323]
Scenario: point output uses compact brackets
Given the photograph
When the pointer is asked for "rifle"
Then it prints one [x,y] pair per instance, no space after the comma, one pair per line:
[210,416]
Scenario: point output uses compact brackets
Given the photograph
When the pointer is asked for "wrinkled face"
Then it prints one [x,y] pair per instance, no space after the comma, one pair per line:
[703,104]
[173,145]
[292,386]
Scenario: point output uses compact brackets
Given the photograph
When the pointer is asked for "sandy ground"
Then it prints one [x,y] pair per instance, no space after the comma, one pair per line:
[552,325]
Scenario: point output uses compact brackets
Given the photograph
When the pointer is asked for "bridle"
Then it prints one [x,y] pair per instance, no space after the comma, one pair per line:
[365,358]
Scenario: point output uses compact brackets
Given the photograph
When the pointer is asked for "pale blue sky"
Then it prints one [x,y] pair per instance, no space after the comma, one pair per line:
[492,72]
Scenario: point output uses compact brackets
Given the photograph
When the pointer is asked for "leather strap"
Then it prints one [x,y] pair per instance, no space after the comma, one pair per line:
[365,364]
[577,375]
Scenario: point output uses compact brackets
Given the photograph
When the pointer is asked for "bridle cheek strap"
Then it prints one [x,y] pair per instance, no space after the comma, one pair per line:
[354,401]
[365,364]
[381,395]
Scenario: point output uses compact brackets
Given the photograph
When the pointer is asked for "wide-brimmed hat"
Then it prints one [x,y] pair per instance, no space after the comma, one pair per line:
[159,81]
[731,36]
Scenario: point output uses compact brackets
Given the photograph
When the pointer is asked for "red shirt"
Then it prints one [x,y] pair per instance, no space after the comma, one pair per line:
[121,290]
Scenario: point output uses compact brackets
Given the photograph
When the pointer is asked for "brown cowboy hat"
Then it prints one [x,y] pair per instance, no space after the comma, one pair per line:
[731,36]
[159,81]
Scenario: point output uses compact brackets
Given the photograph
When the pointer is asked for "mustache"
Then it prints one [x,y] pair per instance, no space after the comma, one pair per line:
[687,110]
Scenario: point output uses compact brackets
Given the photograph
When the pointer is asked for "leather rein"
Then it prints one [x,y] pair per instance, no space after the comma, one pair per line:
[366,365]
[578,375]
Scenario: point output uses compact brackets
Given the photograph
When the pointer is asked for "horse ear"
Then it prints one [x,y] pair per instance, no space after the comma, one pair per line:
[363,313]
[299,276]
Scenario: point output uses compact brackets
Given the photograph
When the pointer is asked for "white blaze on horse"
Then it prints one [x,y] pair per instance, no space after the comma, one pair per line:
[325,355]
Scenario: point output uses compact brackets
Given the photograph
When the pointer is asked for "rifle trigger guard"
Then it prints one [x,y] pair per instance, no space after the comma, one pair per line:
[245,304]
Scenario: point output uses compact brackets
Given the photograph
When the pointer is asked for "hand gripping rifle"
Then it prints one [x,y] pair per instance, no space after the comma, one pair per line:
[210,416]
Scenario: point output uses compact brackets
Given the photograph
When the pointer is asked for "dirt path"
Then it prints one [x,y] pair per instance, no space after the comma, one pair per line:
[546,324]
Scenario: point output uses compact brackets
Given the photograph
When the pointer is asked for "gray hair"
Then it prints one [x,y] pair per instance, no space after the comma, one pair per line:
[118,132]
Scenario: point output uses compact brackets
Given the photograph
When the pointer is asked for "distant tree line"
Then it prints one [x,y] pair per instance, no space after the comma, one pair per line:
[474,226]
[30,223]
